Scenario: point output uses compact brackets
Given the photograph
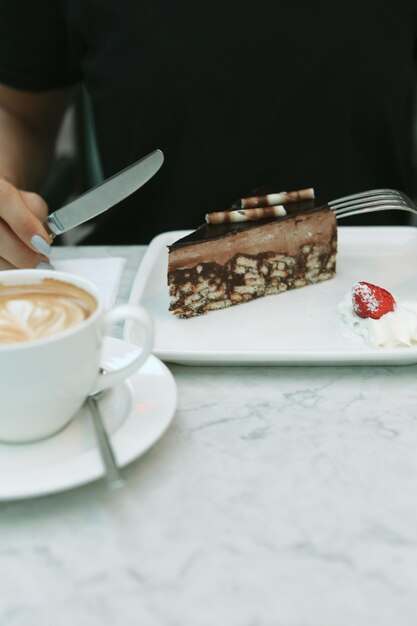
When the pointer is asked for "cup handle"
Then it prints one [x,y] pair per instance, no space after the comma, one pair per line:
[145,326]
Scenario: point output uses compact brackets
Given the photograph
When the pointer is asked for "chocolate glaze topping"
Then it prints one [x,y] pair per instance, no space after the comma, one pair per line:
[207,232]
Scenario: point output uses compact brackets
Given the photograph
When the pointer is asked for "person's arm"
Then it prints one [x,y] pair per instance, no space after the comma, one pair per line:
[29,123]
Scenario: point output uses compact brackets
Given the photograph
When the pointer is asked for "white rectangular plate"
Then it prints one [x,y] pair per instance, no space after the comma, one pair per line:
[298,327]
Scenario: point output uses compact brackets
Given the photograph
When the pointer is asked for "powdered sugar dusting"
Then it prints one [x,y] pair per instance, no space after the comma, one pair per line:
[366,295]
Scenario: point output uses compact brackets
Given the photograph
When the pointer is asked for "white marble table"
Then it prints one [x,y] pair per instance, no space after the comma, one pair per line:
[278,497]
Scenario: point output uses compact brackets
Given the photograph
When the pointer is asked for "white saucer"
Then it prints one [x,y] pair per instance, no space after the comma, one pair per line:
[136,413]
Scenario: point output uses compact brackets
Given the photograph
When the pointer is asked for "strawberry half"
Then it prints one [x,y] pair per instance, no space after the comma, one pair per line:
[371,301]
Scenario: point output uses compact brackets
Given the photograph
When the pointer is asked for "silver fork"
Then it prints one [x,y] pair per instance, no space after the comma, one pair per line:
[373,200]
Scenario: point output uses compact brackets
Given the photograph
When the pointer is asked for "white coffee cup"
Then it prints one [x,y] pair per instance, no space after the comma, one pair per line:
[43,382]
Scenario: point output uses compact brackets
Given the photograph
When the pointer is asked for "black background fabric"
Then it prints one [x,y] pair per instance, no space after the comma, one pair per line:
[239,96]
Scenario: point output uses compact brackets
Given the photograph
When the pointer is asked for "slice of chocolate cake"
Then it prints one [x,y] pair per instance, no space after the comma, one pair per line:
[222,264]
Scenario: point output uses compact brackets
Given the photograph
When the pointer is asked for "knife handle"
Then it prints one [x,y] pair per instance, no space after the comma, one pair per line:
[49,231]
[53,225]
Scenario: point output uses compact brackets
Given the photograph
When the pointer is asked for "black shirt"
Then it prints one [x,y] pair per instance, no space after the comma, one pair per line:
[239,95]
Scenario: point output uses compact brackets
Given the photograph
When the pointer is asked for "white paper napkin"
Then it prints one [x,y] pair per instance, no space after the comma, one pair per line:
[105,273]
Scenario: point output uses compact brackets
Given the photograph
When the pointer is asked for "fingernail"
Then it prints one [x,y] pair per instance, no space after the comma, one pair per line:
[44,266]
[41,245]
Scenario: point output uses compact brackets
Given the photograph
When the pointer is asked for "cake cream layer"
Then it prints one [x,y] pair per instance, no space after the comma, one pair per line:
[281,234]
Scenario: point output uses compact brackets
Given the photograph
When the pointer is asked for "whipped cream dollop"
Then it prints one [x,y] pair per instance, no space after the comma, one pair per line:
[25,319]
[394,329]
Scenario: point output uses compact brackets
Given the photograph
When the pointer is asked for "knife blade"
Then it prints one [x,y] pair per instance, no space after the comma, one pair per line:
[105,195]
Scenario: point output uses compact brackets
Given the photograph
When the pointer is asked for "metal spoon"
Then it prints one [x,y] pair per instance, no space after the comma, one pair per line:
[114,475]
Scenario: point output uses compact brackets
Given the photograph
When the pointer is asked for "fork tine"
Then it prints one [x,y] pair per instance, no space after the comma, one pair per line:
[370,209]
[375,201]
[372,200]
[373,193]
[407,200]
[380,202]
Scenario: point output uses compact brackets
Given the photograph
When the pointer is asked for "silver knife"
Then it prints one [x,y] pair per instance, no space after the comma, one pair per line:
[104,195]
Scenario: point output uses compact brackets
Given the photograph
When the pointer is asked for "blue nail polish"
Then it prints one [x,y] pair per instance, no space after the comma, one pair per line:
[41,245]
[44,266]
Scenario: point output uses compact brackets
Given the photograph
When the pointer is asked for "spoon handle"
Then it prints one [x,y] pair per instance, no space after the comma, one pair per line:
[114,475]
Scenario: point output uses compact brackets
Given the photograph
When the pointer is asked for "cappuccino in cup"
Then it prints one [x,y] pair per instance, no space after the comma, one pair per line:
[52,326]
[34,311]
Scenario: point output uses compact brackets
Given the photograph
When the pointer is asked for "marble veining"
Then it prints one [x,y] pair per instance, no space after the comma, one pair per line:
[278,497]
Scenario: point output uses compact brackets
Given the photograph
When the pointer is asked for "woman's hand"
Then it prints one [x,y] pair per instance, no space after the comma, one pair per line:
[29,123]
[24,241]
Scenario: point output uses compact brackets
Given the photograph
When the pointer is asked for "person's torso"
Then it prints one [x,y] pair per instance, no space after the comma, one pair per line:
[240,95]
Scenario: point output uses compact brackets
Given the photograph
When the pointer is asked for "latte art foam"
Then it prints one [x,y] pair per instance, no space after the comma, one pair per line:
[30,312]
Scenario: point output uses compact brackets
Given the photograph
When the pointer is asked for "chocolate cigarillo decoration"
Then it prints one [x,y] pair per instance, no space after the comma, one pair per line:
[277,198]
[245,215]
[260,207]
